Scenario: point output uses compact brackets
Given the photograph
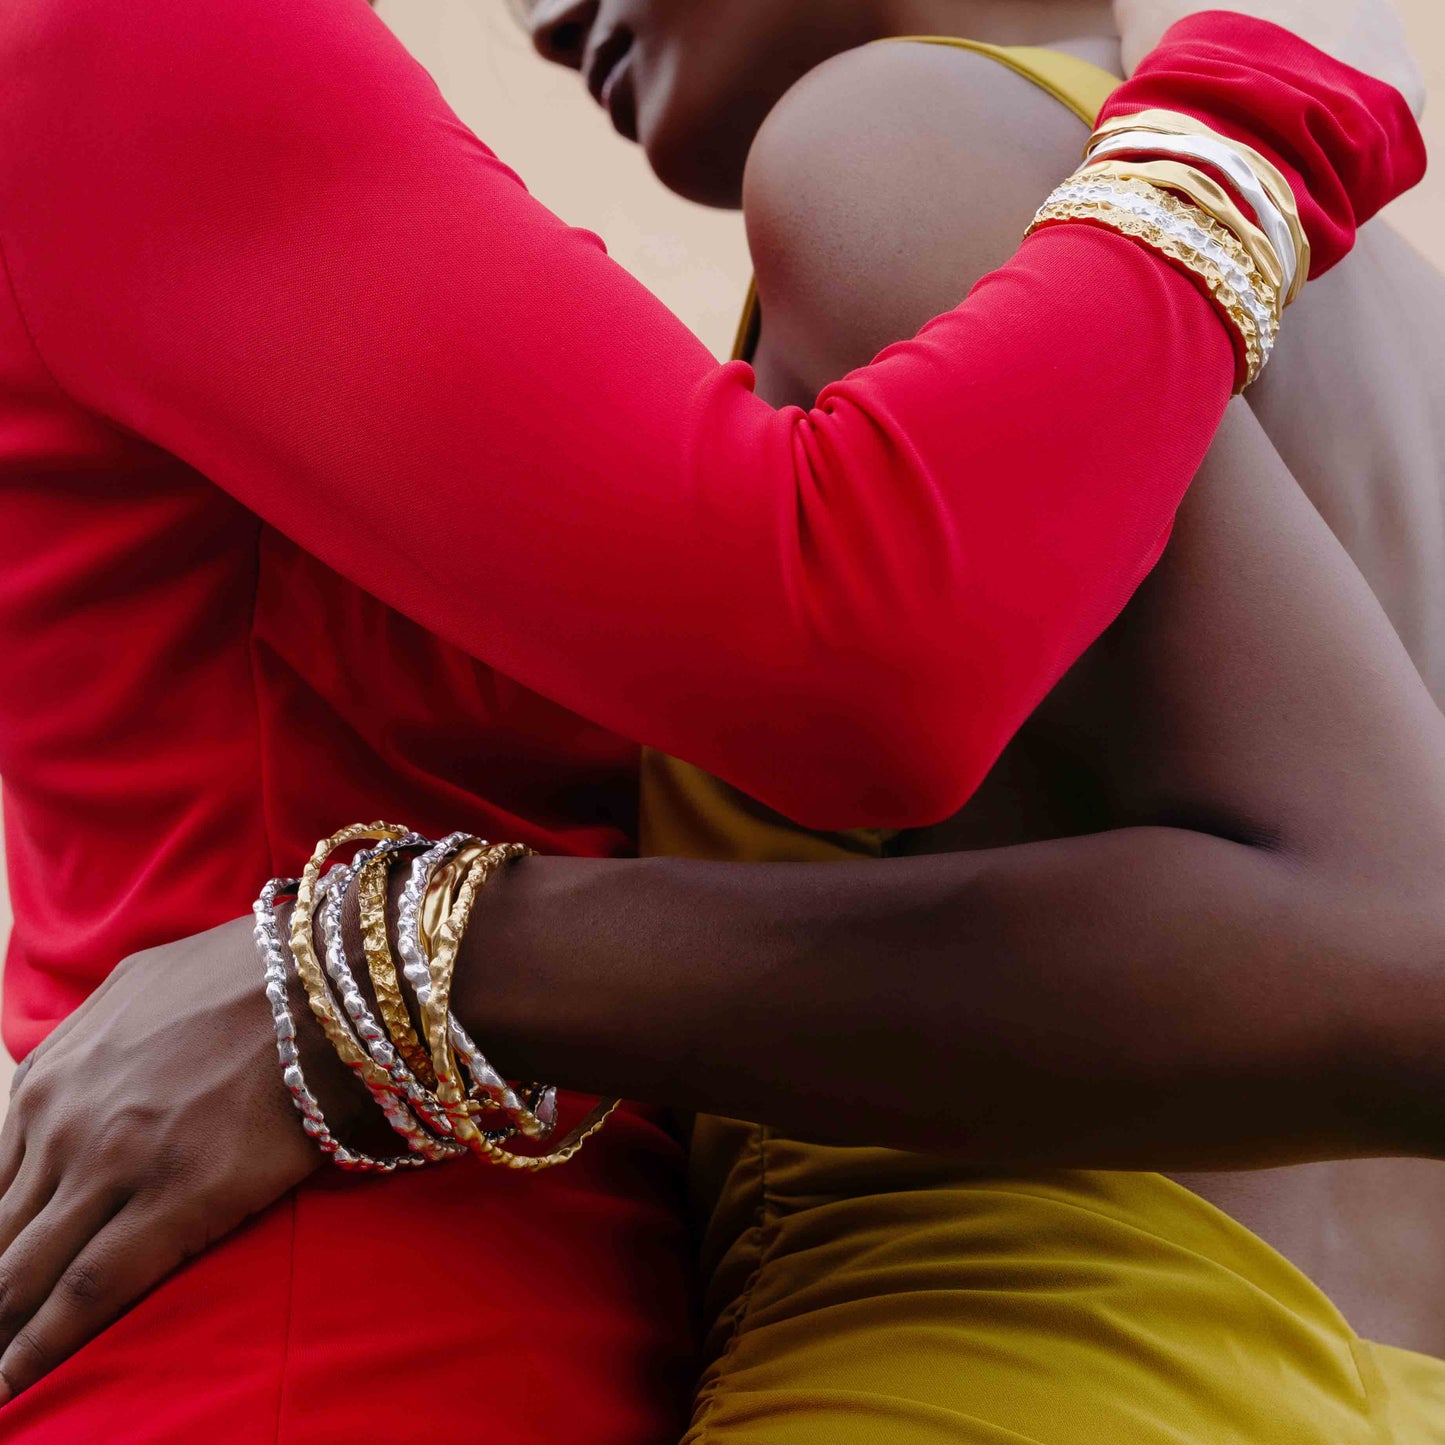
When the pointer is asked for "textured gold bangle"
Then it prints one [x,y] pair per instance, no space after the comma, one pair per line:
[1271,178]
[531,1108]
[1189,238]
[303,949]
[371,898]
[461,888]
[569,1148]
[1213,199]
[338,1032]
[444,889]
[442,943]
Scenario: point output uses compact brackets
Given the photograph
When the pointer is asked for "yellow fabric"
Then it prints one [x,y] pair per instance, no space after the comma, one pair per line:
[864,1297]
[687,813]
[870,1297]
[1078,85]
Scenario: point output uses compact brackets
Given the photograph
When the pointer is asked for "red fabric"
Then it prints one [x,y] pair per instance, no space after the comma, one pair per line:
[326,1322]
[340,480]
[1326,125]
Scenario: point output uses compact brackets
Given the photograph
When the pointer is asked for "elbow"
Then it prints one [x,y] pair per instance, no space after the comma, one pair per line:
[895,752]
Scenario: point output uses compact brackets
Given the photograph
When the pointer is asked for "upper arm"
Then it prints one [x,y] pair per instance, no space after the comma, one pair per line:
[884,186]
[1254,687]
[1256,684]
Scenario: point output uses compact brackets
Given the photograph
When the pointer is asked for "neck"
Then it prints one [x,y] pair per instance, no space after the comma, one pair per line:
[999,22]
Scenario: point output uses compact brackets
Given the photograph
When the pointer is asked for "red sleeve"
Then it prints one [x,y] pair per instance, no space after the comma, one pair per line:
[254,234]
[1346,142]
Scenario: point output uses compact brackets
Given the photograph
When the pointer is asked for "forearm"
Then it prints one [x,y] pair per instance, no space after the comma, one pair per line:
[1145,998]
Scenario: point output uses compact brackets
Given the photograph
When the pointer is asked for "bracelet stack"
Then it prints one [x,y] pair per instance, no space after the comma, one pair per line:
[427,1076]
[1211,206]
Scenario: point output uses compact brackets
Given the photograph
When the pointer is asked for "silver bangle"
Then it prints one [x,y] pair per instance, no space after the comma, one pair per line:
[313,1121]
[1231,165]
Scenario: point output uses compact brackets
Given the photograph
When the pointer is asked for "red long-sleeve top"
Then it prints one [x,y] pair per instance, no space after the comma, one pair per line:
[338,478]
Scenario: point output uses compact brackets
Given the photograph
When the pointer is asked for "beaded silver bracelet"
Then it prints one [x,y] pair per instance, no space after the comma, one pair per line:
[387,1098]
[346,990]
[313,1121]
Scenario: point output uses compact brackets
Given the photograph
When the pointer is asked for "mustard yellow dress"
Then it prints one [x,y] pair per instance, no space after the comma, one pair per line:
[871,1297]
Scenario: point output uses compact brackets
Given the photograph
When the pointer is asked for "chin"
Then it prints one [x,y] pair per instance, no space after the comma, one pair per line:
[706,186]
[699,163]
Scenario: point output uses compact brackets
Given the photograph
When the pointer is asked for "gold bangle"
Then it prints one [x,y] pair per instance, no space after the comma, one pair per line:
[1279,190]
[460,888]
[442,940]
[1188,238]
[568,1149]
[443,889]
[529,1109]
[448,889]
[379,1083]
[308,966]
[1205,192]
[371,900]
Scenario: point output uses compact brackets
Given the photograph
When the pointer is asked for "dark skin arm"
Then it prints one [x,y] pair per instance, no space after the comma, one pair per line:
[1155,996]
[1247,970]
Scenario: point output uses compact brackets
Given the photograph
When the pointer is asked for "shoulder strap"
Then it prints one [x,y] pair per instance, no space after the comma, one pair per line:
[1077,84]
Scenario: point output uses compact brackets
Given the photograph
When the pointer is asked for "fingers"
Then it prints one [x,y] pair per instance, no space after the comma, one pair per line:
[130,1253]
[24,1184]
[41,1263]
[12,1156]
[30,1189]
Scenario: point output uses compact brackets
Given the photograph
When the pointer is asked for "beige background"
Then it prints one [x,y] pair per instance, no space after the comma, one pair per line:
[539,120]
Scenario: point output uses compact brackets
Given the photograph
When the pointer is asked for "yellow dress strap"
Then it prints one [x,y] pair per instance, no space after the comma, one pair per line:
[750,324]
[1078,85]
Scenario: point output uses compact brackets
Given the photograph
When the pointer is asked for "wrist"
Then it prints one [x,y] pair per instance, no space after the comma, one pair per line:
[505,991]
[554,978]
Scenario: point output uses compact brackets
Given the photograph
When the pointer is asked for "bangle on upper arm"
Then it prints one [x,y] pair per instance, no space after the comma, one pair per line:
[1257,180]
[1187,238]
[1212,207]
[1202,190]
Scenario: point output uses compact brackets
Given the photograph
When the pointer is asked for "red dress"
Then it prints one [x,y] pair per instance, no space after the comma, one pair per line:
[338,479]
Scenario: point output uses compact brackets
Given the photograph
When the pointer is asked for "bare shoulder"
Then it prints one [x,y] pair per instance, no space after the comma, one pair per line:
[884,185]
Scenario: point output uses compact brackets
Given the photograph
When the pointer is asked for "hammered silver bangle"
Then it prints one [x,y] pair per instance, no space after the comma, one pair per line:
[313,1121]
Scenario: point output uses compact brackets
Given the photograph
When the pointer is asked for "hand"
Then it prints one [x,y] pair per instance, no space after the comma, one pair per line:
[1367,34]
[150,1123]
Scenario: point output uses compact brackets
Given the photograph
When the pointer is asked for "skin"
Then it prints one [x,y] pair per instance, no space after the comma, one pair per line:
[1244,970]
